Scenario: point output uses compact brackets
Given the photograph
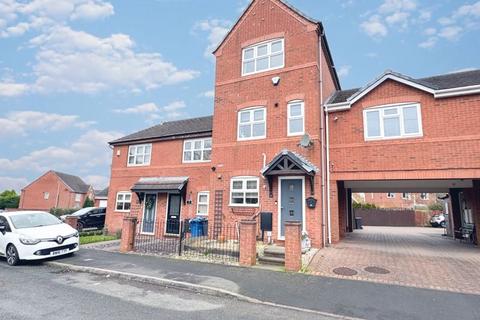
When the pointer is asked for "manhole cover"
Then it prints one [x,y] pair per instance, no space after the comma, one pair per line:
[342,271]
[377,270]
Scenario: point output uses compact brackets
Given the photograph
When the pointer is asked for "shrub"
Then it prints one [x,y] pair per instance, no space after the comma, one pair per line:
[437,206]
[357,205]
[61,211]
[88,203]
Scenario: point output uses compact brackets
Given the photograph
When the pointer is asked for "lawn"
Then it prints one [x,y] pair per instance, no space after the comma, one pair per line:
[96,238]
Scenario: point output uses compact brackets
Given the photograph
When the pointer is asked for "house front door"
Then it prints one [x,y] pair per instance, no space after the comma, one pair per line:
[173,214]
[149,213]
[291,202]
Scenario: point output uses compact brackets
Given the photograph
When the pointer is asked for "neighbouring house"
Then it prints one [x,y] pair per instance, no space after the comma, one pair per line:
[101,198]
[404,200]
[55,190]
[285,138]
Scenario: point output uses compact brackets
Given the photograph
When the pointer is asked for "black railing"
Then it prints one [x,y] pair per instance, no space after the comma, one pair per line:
[196,240]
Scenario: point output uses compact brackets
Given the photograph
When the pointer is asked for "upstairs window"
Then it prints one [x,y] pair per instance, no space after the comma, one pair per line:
[244,191]
[139,155]
[252,124]
[392,122]
[423,196]
[263,56]
[406,196]
[46,195]
[78,197]
[198,150]
[390,195]
[296,118]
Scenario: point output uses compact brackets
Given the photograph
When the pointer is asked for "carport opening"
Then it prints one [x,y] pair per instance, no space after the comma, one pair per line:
[443,209]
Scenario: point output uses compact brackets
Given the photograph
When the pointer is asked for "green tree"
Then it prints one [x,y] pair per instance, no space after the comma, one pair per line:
[9,199]
[88,202]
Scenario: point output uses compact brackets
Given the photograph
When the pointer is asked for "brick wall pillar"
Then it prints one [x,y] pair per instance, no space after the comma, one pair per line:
[293,246]
[72,221]
[128,234]
[248,243]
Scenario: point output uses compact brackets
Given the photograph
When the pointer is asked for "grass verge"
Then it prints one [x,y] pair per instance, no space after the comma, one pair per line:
[95,238]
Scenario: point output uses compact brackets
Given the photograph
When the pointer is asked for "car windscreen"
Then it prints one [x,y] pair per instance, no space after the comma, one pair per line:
[81,212]
[33,220]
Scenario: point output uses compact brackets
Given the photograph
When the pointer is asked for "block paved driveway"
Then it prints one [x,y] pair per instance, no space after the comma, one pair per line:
[415,257]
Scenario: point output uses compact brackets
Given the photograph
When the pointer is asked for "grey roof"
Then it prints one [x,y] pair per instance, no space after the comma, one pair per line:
[171,130]
[73,182]
[101,193]
[297,158]
[440,82]
[160,184]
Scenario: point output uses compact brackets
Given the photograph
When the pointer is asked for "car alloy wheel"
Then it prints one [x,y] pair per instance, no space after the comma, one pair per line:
[12,255]
[443,224]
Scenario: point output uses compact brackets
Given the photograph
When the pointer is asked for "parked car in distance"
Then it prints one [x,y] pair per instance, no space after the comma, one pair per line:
[35,235]
[438,220]
[90,217]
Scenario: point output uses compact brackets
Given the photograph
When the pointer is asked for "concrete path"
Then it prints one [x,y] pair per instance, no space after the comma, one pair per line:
[336,296]
[409,256]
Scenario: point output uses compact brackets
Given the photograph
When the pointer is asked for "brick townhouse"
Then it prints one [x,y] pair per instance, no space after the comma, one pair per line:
[55,189]
[285,138]
[404,200]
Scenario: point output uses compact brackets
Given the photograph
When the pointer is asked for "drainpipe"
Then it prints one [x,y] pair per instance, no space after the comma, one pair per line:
[325,154]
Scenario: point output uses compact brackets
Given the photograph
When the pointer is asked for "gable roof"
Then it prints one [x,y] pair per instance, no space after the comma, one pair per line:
[302,15]
[101,193]
[441,86]
[73,182]
[179,129]
[296,158]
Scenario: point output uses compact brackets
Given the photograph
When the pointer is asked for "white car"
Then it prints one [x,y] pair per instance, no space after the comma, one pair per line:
[35,235]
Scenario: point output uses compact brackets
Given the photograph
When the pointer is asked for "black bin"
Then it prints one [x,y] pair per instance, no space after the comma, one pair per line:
[358,223]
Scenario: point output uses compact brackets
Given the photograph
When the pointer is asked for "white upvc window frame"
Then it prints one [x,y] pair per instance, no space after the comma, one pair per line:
[382,116]
[290,117]
[123,201]
[207,203]
[269,55]
[135,155]
[202,149]
[391,195]
[46,195]
[78,197]
[406,196]
[424,197]
[244,190]
[251,123]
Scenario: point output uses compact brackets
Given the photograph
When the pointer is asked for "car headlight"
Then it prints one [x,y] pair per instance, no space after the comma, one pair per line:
[29,241]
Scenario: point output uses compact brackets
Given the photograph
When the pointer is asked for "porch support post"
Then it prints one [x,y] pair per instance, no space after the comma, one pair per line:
[248,243]
[128,234]
[293,246]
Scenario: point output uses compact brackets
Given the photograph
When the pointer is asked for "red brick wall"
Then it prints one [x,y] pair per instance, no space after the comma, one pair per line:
[381,200]
[166,161]
[448,149]
[32,196]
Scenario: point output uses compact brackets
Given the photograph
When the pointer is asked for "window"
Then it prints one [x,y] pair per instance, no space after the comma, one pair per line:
[244,192]
[390,195]
[123,201]
[199,150]
[252,124]
[139,155]
[263,57]
[391,122]
[406,196]
[78,197]
[424,196]
[46,195]
[202,203]
[296,122]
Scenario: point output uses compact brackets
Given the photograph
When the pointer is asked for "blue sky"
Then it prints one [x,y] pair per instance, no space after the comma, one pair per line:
[75,74]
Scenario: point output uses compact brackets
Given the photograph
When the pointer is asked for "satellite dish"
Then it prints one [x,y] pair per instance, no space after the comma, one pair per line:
[305,142]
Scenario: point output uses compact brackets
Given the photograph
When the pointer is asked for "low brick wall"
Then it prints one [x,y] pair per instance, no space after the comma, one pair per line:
[394,217]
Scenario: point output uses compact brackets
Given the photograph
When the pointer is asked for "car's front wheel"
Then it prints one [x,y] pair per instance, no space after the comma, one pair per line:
[443,224]
[12,255]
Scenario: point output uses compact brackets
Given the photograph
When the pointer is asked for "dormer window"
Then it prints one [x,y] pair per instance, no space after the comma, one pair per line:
[264,56]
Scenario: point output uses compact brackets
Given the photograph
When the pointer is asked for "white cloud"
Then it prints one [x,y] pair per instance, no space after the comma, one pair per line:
[11,89]
[450,32]
[216,30]
[153,112]
[208,94]
[390,6]
[9,183]
[76,61]
[98,182]
[23,121]
[463,70]
[90,151]
[429,43]
[400,18]
[344,71]
[374,27]
[430,31]
[472,10]
[18,17]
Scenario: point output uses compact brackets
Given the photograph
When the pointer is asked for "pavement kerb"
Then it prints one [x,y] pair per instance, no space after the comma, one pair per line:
[196,288]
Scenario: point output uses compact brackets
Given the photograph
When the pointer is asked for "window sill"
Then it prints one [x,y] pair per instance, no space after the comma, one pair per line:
[137,165]
[250,139]
[394,138]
